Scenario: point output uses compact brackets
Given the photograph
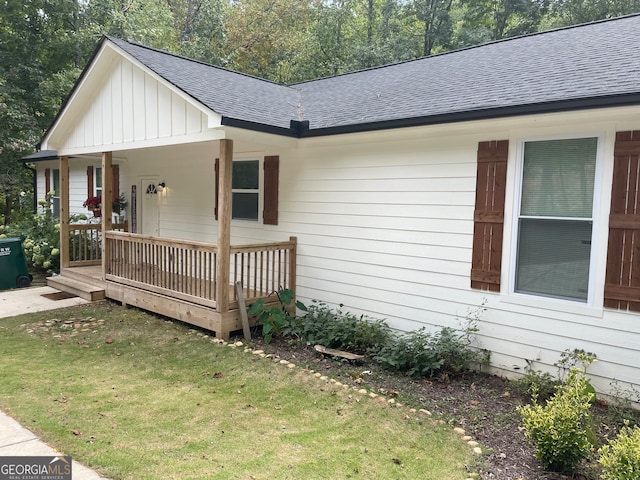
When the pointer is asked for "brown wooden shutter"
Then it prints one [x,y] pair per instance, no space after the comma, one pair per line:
[115,180]
[271,179]
[90,181]
[489,215]
[622,280]
[217,179]
[47,181]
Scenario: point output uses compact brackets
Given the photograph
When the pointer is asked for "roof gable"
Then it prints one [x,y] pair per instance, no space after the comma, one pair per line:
[118,102]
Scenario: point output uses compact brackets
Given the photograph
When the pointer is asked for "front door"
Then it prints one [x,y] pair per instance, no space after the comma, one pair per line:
[148,211]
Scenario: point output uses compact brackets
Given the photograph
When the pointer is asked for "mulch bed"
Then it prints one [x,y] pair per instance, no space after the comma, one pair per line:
[483,405]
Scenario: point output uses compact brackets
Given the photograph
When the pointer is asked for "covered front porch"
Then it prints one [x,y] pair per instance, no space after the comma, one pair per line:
[188,280]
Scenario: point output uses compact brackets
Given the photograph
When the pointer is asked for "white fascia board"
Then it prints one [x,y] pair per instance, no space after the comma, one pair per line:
[208,136]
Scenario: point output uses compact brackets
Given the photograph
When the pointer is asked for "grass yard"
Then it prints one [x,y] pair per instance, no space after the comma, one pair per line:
[138,397]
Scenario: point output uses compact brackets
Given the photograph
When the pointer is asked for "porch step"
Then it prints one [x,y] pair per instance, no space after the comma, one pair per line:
[82,290]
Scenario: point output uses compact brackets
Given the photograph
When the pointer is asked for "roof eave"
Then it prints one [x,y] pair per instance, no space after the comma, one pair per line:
[608,101]
[260,127]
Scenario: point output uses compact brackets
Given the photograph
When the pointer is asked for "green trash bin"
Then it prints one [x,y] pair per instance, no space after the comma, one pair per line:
[13,264]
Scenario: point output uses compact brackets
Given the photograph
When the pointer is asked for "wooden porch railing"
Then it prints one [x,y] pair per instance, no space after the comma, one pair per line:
[263,268]
[85,241]
[186,270]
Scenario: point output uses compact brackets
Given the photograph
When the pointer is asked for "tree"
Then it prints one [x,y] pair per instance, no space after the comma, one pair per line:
[432,24]
[266,37]
[487,20]
[573,12]
[38,47]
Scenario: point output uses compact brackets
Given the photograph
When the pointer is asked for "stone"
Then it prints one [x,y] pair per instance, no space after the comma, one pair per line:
[459,430]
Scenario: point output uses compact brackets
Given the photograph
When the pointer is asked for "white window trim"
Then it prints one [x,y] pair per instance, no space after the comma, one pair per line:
[260,160]
[527,298]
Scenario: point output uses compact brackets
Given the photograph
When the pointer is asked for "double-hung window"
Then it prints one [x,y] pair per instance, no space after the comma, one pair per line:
[555,218]
[245,190]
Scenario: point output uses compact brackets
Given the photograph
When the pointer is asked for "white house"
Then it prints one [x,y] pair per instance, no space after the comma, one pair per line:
[505,174]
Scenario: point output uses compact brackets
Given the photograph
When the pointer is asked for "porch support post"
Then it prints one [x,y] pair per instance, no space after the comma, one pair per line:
[107,199]
[64,212]
[224,226]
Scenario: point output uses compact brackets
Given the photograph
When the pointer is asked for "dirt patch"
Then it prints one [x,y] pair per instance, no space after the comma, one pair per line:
[483,405]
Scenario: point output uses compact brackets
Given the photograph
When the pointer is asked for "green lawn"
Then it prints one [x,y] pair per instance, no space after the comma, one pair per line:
[138,397]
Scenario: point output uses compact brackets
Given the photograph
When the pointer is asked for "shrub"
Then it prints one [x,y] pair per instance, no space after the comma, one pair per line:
[561,431]
[334,328]
[411,353]
[620,459]
[422,353]
[42,243]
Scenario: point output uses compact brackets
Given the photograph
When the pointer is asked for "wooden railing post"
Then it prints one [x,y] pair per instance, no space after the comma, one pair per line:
[292,263]
[107,198]
[224,226]
[64,212]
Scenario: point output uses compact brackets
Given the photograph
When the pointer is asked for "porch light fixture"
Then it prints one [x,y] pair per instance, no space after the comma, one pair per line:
[162,184]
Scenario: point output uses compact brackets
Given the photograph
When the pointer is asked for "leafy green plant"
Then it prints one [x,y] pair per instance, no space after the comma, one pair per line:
[561,431]
[42,232]
[577,357]
[423,353]
[334,328]
[536,381]
[412,353]
[274,319]
[620,459]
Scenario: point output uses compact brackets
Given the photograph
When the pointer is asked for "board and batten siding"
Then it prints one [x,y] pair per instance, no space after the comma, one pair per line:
[126,106]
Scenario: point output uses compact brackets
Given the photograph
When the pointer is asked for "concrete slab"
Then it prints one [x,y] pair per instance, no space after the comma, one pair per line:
[15,440]
[29,300]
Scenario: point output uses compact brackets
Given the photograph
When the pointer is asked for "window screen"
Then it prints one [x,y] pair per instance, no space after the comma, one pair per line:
[245,193]
[555,222]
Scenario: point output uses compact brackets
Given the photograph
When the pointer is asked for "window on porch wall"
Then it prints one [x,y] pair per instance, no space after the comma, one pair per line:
[98,182]
[555,220]
[246,194]
[245,190]
[55,198]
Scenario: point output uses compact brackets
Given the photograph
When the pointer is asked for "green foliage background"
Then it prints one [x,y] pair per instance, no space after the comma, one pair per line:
[44,44]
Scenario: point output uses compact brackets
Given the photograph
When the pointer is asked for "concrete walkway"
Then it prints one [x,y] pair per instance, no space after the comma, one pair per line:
[15,440]
[30,300]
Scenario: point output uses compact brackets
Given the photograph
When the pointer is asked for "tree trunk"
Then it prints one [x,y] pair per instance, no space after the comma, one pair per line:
[8,203]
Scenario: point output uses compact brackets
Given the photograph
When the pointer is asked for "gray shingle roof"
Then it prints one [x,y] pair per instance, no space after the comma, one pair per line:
[591,65]
[228,93]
